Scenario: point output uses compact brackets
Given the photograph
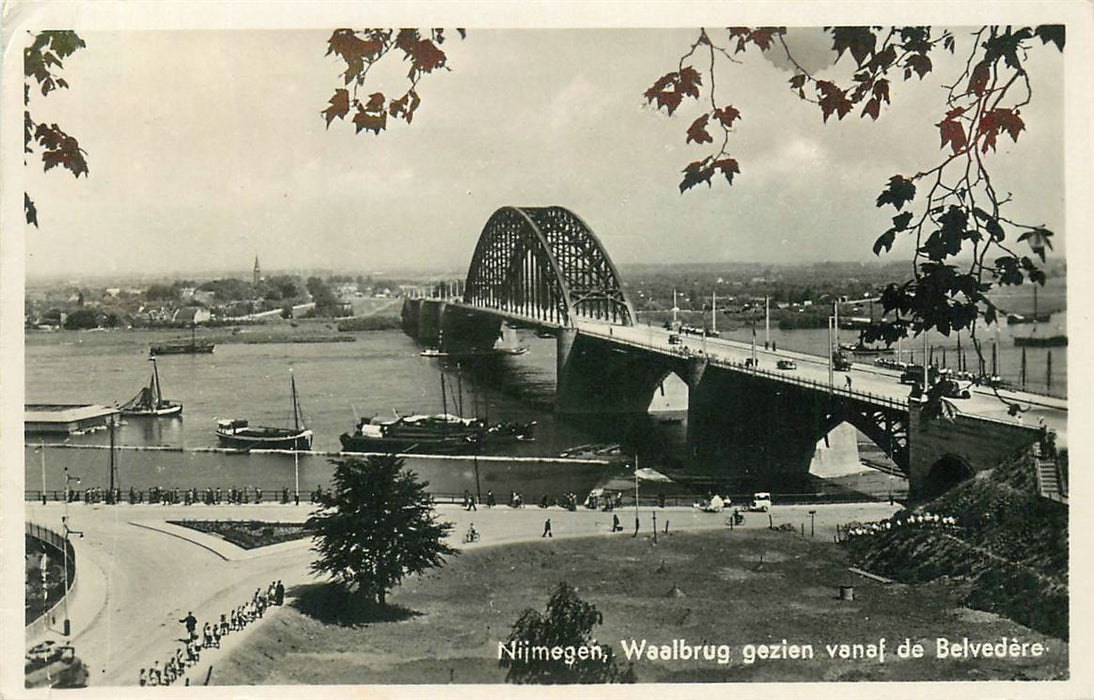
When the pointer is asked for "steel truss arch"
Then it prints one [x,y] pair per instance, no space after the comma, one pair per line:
[546,264]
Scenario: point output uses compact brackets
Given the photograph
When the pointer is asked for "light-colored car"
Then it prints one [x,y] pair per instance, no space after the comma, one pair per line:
[786,364]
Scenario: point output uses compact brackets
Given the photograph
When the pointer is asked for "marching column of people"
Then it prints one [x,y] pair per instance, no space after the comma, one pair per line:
[210,635]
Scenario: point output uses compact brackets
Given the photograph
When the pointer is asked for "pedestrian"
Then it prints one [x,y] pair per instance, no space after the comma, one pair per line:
[155,676]
[144,677]
[279,593]
[547,528]
[616,526]
[490,502]
[191,623]
[848,378]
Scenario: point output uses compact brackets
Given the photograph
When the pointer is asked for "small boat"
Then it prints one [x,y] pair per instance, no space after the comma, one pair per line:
[192,347]
[238,433]
[612,452]
[433,352]
[1040,341]
[150,402]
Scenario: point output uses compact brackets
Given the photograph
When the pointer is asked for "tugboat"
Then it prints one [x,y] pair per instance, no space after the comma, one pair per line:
[239,434]
[150,402]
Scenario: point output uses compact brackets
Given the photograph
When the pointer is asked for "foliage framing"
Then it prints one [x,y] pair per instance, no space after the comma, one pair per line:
[376,526]
[568,622]
[360,50]
[960,212]
[42,62]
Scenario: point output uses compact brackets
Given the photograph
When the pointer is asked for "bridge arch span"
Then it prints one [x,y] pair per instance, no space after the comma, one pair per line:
[546,264]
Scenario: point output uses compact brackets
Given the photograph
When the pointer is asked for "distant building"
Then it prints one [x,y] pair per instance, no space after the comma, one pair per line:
[257,274]
[192,315]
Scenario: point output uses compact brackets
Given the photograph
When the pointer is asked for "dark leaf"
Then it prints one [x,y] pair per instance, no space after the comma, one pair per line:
[697,132]
[859,40]
[1051,32]
[833,100]
[885,241]
[695,173]
[726,115]
[901,221]
[873,107]
[339,106]
[920,63]
[29,210]
[898,192]
[728,167]
[978,81]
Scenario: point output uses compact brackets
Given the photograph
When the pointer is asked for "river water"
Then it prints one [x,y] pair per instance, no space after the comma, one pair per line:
[379,373]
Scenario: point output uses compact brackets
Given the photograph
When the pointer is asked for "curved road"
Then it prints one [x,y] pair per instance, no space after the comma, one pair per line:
[137,576]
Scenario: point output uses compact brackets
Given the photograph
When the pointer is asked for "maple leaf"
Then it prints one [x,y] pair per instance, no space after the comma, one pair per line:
[898,192]
[996,120]
[952,131]
[885,241]
[920,63]
[763,36]
[860,40]
[697,132]
[833,100]
[727,166]
[30,210]
[696,172]
[726,115]
[372,121]
[405,106]
[978,81]
[60,150]
[689,82]
[339,106]
[1051,32]
[873,107]
[797,81]
[375,102]
[1039,239]
[881,91]
[671,88]
[425,57]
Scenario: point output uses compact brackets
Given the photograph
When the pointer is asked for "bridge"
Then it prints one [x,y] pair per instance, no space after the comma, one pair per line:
[544,268]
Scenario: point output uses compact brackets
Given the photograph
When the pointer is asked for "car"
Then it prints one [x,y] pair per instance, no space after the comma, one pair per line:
[786,364]
[951,389]
[674,339]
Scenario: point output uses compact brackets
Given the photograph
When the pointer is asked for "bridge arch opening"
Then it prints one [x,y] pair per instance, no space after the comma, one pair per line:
[670,397]
[949,471]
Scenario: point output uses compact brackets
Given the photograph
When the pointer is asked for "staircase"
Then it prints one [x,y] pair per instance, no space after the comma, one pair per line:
[1051,483]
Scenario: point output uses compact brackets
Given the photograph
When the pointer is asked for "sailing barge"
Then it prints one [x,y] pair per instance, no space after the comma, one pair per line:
[239,434]
[150,402]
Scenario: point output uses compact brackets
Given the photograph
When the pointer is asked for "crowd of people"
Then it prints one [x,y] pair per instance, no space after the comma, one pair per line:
[933,520]
[192,496]
[210,635]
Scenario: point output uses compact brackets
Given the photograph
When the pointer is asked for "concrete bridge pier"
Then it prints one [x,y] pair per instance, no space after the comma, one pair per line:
[597,377]
[758,435]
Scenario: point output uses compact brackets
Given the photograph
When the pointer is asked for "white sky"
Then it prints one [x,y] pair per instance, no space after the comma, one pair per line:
[206,148]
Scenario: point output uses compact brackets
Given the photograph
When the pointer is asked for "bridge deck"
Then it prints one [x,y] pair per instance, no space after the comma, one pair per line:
[868,382]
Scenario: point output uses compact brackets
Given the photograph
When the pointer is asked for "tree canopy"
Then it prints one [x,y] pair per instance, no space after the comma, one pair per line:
[567,623]
[376,526]
[42,63]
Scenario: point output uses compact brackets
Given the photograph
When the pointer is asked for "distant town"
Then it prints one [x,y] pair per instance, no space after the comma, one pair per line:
[798,296]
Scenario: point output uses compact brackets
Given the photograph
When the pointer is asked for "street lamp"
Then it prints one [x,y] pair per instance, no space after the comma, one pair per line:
[67,629]
[812,529]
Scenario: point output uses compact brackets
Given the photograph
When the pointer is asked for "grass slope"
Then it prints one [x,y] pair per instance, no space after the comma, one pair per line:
[1010,555]
[734,588]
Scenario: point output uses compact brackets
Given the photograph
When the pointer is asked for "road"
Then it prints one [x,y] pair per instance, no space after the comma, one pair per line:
[138,576]
[865,378]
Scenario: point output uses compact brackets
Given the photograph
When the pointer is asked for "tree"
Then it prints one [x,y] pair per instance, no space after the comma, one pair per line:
[566,625]
[961,212]
[42,62]
[375,527]
[951,209]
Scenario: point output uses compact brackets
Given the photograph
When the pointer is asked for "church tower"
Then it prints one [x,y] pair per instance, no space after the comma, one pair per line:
[257,274]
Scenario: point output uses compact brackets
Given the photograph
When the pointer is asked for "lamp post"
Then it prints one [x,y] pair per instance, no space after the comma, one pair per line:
[812,523]
[635,495]
[67,629]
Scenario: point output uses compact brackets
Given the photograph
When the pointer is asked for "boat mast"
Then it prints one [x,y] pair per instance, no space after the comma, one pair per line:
[1035,309]
[295,404]
[157,395]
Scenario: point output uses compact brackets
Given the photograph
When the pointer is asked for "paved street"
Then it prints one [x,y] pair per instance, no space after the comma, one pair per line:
[138,576]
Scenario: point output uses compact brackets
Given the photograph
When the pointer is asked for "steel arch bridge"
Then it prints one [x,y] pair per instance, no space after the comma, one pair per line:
[545,264]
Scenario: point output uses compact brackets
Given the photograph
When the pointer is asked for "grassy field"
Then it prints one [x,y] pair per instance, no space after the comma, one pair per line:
[724,588]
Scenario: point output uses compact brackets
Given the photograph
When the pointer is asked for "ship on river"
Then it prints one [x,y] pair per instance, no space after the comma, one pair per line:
[441,433]
[238,433]
[150,402]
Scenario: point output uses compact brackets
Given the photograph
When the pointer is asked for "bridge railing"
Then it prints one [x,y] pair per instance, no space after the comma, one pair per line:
[687,353]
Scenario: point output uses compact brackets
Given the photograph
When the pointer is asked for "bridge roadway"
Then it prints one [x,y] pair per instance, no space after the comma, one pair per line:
[868,381]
